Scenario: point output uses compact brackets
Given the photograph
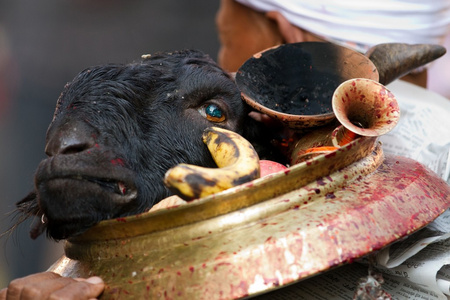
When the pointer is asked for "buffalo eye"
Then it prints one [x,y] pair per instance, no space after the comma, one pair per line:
[212,112]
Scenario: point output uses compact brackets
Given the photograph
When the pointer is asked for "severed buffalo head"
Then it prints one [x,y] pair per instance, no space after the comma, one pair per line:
[118,128]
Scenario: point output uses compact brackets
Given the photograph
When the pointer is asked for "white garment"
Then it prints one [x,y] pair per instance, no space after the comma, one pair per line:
[365,22]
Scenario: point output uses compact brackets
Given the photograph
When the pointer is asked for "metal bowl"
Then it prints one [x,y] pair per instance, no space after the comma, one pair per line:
[294,83]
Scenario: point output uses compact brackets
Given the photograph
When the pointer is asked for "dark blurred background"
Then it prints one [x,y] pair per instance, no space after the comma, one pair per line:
[43,45]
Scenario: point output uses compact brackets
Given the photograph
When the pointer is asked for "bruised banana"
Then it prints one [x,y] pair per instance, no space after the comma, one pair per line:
[235,157]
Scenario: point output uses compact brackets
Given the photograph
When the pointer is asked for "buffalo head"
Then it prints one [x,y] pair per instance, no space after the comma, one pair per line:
[118,128]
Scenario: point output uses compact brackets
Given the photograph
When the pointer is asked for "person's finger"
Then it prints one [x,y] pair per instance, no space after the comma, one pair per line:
[3,294]
[90,288]
[44,289]
[15,288]
[49,285]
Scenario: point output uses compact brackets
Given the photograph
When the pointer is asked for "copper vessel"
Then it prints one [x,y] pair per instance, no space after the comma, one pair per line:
[362,107]
[294,83]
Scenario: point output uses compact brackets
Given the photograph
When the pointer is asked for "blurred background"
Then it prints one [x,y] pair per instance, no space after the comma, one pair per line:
[43,45]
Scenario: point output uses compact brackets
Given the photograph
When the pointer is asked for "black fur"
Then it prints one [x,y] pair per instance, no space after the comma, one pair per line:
[118,128]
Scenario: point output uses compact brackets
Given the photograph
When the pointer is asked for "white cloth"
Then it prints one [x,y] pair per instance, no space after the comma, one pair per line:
[365,22]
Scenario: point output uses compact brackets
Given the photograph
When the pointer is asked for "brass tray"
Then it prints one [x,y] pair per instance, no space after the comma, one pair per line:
[265,234]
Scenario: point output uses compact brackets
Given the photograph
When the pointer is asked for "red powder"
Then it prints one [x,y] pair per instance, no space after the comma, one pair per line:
[118,161]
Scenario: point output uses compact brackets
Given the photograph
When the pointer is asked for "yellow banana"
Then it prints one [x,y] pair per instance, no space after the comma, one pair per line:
[235,157]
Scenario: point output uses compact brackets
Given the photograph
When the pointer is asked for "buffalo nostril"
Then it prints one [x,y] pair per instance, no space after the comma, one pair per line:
[73,146]
[67,145]
[69,139]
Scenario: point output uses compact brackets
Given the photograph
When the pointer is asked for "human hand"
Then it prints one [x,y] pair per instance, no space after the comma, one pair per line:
[49,285]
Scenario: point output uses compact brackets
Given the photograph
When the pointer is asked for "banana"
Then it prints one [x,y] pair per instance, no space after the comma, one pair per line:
[235,157]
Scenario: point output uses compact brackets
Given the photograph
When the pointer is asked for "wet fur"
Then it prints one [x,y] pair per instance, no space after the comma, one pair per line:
[121,126]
